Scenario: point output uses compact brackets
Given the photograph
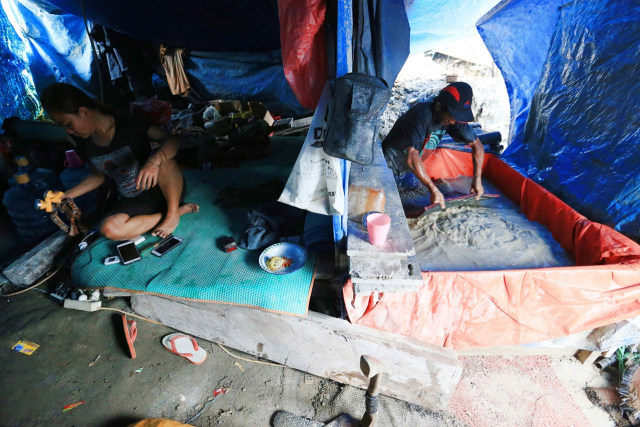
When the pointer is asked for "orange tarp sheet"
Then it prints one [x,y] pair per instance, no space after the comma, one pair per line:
[487,308]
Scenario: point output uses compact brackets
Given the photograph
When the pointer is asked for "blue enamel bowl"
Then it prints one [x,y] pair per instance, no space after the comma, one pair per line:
[296,253]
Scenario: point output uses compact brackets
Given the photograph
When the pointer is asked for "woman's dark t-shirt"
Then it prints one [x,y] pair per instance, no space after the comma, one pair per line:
[122,158]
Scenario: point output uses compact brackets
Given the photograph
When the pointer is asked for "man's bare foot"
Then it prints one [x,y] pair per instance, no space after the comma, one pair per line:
[170,223]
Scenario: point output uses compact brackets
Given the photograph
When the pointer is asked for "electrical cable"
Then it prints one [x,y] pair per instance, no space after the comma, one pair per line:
[260,362]
[38,283]
[130,314]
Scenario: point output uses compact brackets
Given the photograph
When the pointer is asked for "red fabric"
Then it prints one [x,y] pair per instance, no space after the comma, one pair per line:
[304,55]
[487,308]
[155,111]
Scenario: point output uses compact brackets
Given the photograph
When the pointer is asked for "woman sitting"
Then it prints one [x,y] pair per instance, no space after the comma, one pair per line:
[150,182]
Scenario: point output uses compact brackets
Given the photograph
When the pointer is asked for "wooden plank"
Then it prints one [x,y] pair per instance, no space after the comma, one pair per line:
[399,242]
[321,345]
[392,275]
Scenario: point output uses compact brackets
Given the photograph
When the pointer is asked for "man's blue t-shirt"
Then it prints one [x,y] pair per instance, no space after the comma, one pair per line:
[416,128]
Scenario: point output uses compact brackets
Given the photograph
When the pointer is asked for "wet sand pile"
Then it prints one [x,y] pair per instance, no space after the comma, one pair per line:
[491,234]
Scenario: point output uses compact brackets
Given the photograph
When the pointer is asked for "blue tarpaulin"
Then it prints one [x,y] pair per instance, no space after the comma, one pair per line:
[18,92]
[245,76]
[42,45]
[573,81]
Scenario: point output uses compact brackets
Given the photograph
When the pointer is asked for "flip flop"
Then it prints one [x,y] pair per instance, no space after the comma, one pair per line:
[185,346]
[130,334]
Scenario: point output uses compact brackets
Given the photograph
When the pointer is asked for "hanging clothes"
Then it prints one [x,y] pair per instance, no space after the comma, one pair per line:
[171,59]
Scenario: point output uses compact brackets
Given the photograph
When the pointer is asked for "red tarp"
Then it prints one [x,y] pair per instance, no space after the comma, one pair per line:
[304,55]
[487,308]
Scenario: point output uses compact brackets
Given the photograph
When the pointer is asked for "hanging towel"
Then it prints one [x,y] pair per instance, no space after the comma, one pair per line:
[171,59]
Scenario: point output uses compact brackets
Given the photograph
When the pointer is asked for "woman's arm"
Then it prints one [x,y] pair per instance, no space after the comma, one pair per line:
[169,144]
[91,182]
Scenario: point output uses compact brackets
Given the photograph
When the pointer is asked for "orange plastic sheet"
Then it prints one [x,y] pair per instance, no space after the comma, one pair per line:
[304,55]
[487,308]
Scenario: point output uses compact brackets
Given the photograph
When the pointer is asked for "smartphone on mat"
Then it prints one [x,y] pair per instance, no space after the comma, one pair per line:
[128,252]
[167,245]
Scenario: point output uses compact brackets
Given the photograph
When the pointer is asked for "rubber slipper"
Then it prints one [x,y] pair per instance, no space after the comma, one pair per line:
[130,334]
[185,346]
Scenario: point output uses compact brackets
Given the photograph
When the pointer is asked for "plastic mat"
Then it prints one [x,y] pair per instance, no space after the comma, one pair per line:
[198,268]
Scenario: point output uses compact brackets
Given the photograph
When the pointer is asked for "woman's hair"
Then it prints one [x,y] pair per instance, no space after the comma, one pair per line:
[66,99]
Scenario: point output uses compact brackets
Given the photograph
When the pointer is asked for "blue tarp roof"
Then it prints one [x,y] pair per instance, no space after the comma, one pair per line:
[571,69]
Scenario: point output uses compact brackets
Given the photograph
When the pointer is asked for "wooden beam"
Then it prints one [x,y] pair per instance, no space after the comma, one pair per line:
[415,372]
[399,242]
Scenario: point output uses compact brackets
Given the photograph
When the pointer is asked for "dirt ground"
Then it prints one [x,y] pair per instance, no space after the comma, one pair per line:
[82,357]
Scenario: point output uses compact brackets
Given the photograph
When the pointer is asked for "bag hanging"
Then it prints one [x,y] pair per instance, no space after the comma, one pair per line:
[354,115]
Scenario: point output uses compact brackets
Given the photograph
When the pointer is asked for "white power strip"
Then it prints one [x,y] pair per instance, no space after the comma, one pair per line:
[82,305]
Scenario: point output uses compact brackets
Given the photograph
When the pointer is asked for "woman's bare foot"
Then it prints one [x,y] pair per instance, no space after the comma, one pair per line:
[170,223]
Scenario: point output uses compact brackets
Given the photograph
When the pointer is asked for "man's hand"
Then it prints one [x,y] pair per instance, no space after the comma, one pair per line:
[477,188]
[437,198]
[148,176]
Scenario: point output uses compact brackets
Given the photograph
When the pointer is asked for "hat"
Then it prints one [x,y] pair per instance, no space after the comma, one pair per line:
[457,98]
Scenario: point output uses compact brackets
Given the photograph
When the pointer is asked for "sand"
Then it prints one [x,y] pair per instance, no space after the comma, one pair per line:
[491,234]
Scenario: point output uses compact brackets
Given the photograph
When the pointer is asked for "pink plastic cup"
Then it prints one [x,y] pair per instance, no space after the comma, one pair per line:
[73,159]
[378,225]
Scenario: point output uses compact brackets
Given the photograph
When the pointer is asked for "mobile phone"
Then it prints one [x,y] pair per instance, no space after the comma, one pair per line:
[128,252]
[167,245]
[112,260]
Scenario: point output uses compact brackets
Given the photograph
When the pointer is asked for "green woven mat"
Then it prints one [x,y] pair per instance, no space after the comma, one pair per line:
[197,268]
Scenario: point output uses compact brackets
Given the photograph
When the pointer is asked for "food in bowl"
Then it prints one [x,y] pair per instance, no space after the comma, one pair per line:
[278,263]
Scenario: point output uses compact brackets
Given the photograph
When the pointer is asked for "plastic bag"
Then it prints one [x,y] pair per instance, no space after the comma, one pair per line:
[315,183]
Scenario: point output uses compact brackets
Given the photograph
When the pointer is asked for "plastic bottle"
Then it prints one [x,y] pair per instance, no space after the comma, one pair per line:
[47,176]
[32,224]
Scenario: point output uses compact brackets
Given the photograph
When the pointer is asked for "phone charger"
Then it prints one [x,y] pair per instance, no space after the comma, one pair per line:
[138,240]
[112,260]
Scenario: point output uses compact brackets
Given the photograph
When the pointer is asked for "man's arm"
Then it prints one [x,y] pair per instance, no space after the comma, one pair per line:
[91,182]
[477,152]
[417,167]
[169,144]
